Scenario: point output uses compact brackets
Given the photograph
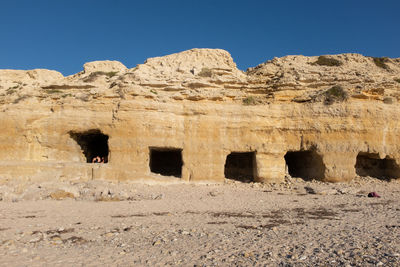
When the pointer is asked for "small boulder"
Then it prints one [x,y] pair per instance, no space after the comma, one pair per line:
[104,66]
[61,194]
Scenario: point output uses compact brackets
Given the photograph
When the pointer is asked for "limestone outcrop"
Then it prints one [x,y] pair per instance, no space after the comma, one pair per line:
[194,115]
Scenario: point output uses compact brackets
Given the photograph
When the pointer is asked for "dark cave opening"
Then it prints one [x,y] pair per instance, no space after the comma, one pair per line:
[305,164]
[369,164]
[240,166]
[166,161]
[93,144]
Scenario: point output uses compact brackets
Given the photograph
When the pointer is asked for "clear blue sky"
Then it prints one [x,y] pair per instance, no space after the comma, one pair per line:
[64,34]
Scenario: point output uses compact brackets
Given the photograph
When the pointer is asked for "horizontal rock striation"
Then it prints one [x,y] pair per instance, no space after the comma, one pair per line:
[195,116]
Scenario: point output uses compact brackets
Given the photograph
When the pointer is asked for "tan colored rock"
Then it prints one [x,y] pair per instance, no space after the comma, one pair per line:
[104,66]
[14,80]
[61,194]
[190,62]
[196,116]
[21,76]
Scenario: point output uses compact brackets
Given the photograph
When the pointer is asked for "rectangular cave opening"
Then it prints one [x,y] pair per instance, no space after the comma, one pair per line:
[240,166]
[94,145]
[166,161]
[370,164]
[305,164]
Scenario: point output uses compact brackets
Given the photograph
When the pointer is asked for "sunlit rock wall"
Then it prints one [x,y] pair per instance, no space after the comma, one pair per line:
[324,111]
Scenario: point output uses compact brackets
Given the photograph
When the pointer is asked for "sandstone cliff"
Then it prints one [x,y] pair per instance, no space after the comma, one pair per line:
[194,115]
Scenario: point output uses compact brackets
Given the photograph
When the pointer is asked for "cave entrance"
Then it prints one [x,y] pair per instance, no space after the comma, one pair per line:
[240,166]
[93,144]
[370,164]
[166,161]
[305,164]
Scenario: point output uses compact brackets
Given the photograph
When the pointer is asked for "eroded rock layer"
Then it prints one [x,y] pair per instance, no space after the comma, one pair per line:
[194,115]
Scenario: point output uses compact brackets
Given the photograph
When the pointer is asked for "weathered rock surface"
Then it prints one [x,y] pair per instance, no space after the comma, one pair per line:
[183,114]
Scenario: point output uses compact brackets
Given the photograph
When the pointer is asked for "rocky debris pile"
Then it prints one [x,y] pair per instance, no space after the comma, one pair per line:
[100,190]
[96,190]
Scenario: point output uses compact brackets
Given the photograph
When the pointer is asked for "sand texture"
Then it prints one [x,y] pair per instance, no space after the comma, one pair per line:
[295,223]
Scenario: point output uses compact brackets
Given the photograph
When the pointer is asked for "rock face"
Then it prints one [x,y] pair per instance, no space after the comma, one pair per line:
[194,115]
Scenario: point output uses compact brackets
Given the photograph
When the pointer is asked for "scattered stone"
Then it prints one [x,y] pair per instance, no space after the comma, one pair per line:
[156,243]
[157,197]
[307,232]
[310,190]
[212,194]
[248,254]
[328,192]
[75,240]
[61,194]
[36,239]
[109,234]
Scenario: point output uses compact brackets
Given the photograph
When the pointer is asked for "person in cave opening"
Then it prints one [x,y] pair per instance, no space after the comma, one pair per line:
[97,160]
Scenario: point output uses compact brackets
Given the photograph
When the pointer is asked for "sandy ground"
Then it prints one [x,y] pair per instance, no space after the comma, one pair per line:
[296,223]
